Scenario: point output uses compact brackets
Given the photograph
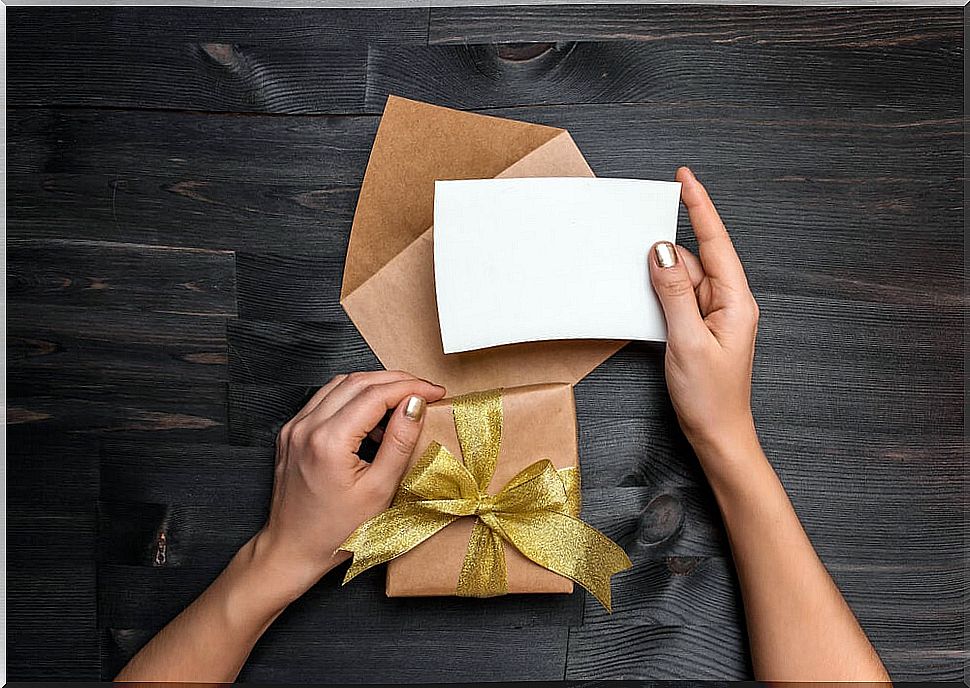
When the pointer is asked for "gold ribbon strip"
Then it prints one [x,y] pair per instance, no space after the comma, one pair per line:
[537,512]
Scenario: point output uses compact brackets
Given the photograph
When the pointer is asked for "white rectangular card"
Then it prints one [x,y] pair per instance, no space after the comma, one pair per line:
[519,260]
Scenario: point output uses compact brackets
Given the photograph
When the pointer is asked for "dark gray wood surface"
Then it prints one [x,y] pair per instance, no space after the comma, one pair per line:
[181,184]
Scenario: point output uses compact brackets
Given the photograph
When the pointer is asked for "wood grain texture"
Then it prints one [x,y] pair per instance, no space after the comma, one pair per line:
[197,76]
[201,59]
[173,275]
[70,25]
[136,596]
[304,287]
[103,275]
[104,176]
[574,73]
[51,613]
[868,27]
[650,651]
[355,656]
[775,173]
[528,653]
[172,411]
[83,347]
[304,354]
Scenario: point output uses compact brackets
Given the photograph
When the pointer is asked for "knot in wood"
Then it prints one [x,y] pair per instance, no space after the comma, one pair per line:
[522,52]
[660,520]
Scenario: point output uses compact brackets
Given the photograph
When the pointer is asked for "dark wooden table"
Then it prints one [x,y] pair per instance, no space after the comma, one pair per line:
[181,184]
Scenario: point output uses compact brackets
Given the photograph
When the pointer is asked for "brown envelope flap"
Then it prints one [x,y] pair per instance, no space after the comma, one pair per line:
[396,311]
[416,144]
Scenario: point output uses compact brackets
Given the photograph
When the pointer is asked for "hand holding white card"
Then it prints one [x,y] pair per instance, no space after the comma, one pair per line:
[519,260]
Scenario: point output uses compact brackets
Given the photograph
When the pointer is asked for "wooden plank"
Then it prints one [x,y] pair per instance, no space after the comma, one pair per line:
[257,412]
[169,411]
[302,354]
[200,59]
[186,474]
[177,75]
[130,532]
[51,468]
[613,651]
[52,486]
[920,602]
[946,664]
[668,71]
[256,25]
[530,653]
[51,612]
[360,655]
[858,27]
[103,175]
[147,596]
[797,186]
[617,651]
[55,347]
[105,275]
[303,287]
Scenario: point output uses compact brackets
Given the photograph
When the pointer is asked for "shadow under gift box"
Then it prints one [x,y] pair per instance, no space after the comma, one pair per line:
[388,292]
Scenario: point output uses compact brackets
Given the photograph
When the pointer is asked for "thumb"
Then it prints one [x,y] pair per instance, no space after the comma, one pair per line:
[398,444]
[671,280]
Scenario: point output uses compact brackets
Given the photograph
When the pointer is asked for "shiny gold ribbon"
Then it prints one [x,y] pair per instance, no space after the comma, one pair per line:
[537,512]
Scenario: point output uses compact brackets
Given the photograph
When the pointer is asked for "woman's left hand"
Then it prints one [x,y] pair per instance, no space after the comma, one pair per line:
[323,490]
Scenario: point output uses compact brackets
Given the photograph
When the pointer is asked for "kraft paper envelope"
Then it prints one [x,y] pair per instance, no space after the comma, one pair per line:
[388,287]
[389,293]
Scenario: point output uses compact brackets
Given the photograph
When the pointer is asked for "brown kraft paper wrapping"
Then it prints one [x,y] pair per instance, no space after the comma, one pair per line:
[539,423]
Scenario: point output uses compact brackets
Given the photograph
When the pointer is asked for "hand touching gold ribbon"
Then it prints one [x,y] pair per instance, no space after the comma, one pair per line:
[537,512]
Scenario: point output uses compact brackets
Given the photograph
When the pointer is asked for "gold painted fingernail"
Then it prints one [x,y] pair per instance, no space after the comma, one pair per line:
[414,409]
[666,254]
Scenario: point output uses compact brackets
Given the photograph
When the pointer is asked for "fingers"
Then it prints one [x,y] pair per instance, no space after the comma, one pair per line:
[398,442]
[693,264]
[349,386]
[672,282]
[339,392]
[318,397]
[717,253]
[353,421]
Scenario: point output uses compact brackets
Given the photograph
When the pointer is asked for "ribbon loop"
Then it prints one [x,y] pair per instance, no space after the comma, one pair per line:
[537,512]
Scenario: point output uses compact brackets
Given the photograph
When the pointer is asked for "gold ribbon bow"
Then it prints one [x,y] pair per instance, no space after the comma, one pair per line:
[537,512]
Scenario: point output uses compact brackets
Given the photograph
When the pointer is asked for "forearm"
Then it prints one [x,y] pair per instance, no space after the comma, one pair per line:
[799,626]
[211,639]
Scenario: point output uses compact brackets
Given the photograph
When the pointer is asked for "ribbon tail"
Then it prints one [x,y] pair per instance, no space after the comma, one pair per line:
[390,534]
[571,482]
[566,545]
[483,572]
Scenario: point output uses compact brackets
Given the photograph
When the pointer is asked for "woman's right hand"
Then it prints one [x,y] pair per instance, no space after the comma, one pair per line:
[712,321]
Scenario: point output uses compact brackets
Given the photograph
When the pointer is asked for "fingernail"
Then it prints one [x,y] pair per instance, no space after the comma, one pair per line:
[666,254]
[414,409]
[690,172]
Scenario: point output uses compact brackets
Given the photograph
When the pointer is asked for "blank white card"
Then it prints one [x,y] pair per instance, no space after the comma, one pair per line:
[519,260]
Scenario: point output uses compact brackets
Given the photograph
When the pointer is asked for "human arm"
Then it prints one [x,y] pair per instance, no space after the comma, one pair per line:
[322,491]
[799,625]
